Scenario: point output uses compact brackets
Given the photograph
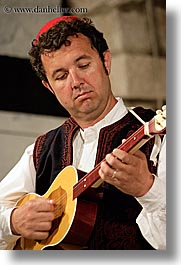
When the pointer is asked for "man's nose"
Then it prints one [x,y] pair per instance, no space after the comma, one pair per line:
[76,80]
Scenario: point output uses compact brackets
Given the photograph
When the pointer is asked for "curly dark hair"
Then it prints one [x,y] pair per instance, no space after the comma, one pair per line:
[57,35]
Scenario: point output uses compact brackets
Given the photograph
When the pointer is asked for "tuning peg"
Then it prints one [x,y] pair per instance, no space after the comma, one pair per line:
[161,112]
[164,107]
[158,111]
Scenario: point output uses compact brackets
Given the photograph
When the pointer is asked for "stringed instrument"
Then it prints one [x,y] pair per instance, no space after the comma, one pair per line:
[66,189]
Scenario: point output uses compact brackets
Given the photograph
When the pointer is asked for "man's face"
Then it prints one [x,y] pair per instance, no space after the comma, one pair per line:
[78,78]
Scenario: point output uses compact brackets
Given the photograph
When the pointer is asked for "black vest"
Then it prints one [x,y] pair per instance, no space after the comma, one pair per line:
[115,226]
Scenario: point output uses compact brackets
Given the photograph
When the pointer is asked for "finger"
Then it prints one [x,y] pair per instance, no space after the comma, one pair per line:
[125,157]
[140,154]
[45,216]
[43,226]
[114,160]
[40,235]
[121,155]
[36,235]
[41,205]
[105,171]
[111,160]
[114,163]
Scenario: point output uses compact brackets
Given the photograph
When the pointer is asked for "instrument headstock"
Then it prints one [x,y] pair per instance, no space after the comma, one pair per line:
[158,124]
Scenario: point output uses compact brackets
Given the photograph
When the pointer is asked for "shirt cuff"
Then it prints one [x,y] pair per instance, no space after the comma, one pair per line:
[155,198]
[6,227]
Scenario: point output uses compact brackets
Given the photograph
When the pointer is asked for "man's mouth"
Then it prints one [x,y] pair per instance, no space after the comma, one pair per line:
[83,95]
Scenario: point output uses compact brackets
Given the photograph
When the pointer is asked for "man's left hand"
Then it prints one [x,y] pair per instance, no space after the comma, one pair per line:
[127,172]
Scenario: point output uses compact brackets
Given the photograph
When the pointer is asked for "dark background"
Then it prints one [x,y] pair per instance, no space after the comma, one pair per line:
[22,90]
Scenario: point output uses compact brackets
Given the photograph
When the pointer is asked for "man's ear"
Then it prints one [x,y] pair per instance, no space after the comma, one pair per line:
[107,60]
[46,84]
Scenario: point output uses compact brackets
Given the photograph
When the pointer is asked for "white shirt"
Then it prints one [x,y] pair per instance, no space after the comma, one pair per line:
[21,180]
[86,140]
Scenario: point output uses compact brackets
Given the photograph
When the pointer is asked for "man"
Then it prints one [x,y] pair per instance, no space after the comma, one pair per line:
[73,61]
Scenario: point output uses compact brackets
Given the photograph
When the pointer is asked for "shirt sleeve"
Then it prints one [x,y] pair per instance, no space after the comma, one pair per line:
[18,182]
[152,219]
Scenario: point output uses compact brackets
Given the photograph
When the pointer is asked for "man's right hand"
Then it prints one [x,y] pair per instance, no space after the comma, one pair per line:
[33,220]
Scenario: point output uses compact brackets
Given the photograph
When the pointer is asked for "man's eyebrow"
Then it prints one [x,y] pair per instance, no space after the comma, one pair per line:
[84,56]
